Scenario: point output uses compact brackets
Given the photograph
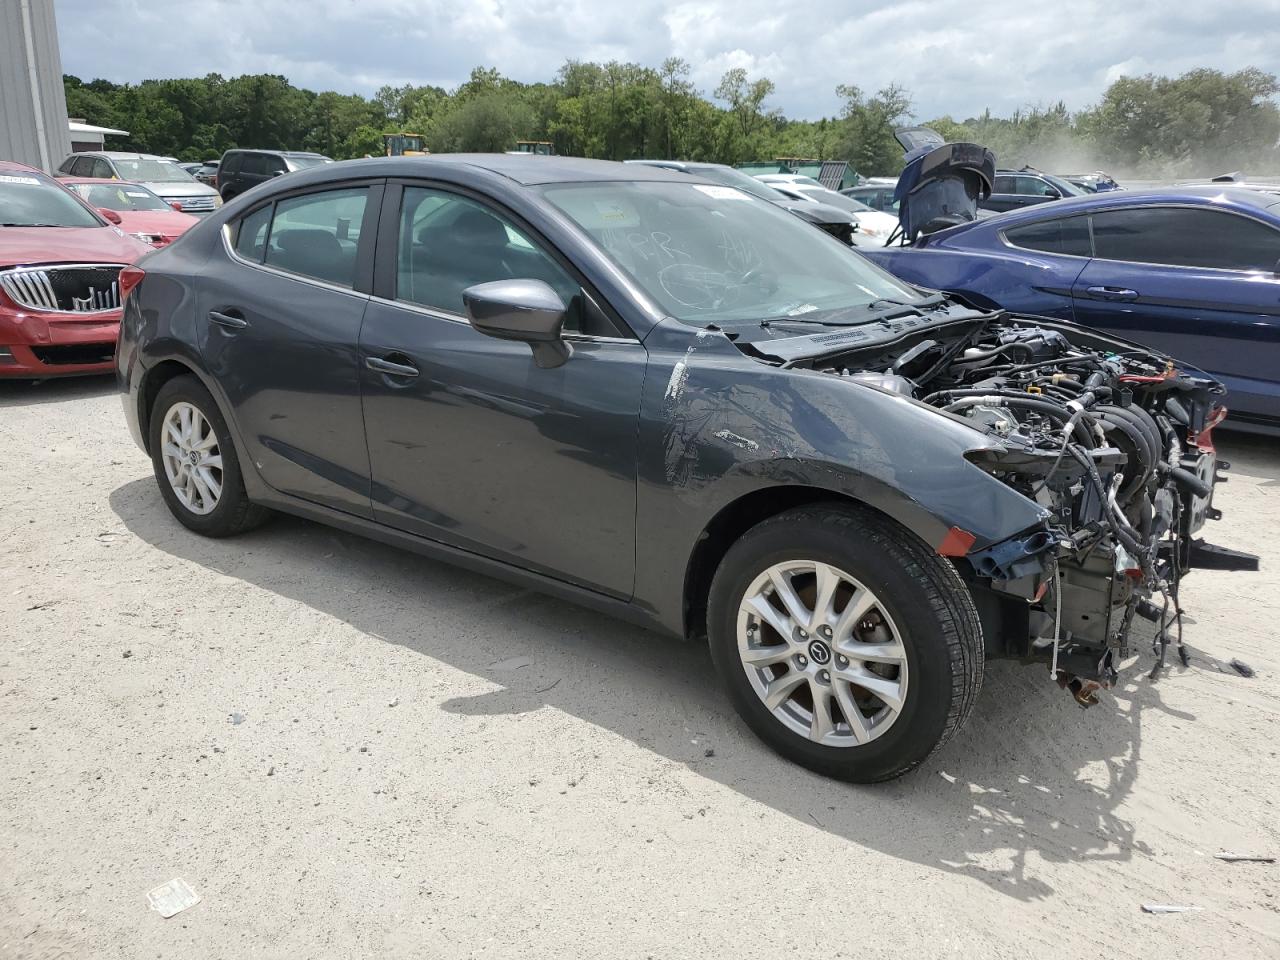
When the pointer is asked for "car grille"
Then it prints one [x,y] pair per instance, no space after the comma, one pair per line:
[70,288]
[203,204]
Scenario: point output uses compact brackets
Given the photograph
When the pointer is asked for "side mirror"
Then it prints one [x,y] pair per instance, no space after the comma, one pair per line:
[176,205]
[111,215]
[1052,193]
[526,310]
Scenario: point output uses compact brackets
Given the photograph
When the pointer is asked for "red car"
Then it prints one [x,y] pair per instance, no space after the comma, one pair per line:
[133,208]
[60,263]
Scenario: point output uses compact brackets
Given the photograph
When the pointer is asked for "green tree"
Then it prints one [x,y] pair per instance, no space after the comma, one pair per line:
[747,120]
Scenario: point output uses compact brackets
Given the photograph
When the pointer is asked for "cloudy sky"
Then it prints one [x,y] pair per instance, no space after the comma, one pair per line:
[955,56]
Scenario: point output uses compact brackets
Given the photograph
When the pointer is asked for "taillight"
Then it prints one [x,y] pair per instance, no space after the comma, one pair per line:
[1204,439]
[130,277]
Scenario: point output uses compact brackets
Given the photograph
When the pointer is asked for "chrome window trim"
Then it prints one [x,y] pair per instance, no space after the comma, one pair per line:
[287,274]
[1002,234]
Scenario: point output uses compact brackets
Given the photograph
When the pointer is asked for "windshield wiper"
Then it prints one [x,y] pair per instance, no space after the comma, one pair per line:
[919,306]
[877,308]
[32,224]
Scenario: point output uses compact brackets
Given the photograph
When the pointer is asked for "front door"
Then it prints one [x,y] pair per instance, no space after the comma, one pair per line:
[470,442]
[1197,284]
[279,319]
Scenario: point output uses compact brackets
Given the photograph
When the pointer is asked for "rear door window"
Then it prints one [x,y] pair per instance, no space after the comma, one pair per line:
[102,169]
[1067,235]
[1003,185]
[83,167]
[318,235]
[254,163]
[1186,237]
[231,163]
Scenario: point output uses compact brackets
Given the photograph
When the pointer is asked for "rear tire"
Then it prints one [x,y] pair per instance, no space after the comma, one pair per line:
[813,604]
[195,462]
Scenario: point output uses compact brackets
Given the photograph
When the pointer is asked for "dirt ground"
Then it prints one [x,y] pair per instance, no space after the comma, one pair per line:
[351,751]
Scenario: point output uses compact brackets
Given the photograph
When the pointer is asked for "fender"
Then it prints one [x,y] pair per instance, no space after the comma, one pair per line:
[717,425]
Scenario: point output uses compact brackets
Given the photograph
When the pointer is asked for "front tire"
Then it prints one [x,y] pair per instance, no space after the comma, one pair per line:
[844,642]
[195,462]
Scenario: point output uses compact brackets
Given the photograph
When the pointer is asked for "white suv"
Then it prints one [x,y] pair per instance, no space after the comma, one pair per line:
[160,175]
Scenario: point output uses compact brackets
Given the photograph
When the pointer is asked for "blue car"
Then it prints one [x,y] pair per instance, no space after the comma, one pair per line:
[1190,271]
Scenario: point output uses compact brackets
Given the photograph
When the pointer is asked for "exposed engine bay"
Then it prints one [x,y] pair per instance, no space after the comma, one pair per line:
[1113,441]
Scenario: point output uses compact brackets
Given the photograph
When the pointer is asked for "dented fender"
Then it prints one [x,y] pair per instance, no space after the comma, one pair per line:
[717,425]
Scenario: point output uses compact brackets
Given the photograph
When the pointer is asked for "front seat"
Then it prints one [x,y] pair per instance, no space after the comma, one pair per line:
[473,249]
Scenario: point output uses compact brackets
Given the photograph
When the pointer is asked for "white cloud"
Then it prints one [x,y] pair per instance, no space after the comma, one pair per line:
[954,57]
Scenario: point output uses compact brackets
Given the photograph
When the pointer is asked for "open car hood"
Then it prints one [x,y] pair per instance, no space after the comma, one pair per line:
[913,138]
[941,183]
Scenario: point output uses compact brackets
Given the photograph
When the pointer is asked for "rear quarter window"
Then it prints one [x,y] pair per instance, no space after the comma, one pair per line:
[1068,236]
[251,234]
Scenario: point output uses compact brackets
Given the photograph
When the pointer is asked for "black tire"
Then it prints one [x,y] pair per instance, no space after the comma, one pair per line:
[234,512]
[919,590]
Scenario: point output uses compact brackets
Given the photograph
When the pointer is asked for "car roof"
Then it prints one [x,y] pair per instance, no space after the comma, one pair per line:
[94,181]
[681,164]
[279,153]
[525,169]
[1207,196]
[123,155]
[17,167]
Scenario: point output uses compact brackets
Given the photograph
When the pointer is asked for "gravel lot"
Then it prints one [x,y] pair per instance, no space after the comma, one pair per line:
[347,750]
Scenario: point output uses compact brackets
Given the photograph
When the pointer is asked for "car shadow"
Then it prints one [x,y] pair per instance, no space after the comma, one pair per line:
[1020,785]
[26,393]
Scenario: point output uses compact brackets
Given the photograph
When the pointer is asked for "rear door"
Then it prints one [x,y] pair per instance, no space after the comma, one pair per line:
[1199,284]
[1004,194]
[470,442]
[279,317]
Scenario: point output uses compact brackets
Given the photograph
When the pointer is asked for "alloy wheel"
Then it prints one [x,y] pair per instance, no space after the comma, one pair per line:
[192,459]
[822,653]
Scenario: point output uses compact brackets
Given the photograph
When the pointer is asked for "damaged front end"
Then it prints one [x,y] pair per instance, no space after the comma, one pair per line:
[1114,442]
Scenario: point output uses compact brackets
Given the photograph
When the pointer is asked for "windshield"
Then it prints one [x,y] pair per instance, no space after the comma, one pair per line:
[119,196]
[32,201]
[743,181]
[151,171]
[301,163]
[1064,187]
[711,253]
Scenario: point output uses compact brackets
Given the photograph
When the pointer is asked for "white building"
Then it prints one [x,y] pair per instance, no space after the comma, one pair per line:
[33,105]
[85,136]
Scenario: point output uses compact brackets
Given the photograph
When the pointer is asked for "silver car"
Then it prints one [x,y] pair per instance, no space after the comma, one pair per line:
[160,175]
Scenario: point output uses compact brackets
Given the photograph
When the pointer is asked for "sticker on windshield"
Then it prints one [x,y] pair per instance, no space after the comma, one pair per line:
[612,213]
[721,193]
[135,193]
[28,181]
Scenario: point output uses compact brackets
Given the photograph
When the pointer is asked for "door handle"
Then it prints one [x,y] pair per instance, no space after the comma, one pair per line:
[1113,293]
[390,368]
[228,319]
